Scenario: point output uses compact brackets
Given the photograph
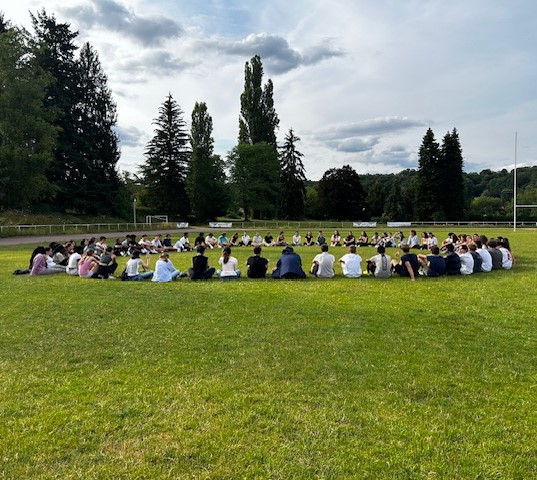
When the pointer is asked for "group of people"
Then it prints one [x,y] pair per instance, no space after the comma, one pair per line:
[93,258]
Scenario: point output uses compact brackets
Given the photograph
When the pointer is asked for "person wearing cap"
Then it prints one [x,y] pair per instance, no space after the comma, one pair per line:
[164,270]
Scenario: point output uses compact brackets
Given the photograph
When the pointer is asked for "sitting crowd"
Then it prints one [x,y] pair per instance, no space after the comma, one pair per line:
[92,258]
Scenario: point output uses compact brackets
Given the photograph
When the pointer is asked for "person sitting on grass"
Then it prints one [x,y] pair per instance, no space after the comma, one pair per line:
[145,245]
[363,240]
[257,240]
[351,263]
[167,244]
[486,259]
[380,265]
[223,241]
[408,265]
[245,240]
[297,239]
[107,264]
[323,263]
[289,265]
[88,264]
[280,241]
[257,265]
[268,241]
[234,242]
[39,263]
[472,247]
[433,265]
[308,239]
[200,269]
[183,244]
[321,239]
[452,260]
[229,264]
[467,260]
[72,264]
[335,239]
[507,256]
[349,240]
[164,270]
[211,241]
[133,265]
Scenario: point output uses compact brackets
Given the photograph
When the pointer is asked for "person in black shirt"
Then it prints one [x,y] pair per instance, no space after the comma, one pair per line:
[257,265]
[200,266]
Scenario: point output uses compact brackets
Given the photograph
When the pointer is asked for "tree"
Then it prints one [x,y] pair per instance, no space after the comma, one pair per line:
[255,173]
[394,209]
[54,49]
[293,179]
[95,163]
[258,120]
[376,199]
[427,180]
[167,163]
[340,194]
[26,133]
[206,185]
[451,195]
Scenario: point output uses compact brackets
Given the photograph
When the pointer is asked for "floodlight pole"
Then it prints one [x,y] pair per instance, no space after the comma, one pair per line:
[514,185]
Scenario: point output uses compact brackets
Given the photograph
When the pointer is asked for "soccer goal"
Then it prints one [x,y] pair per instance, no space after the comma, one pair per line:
[150,219]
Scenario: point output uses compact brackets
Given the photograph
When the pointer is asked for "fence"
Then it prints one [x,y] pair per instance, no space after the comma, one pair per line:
[102,228]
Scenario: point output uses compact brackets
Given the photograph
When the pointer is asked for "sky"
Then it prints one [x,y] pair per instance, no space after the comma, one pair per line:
[359,81]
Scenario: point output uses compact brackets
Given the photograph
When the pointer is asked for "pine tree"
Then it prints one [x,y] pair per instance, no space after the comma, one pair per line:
[293,179]
[258,120]
[206,182]
[167,163]
[376,199]
[26,133]
[451,191]
[394,208]
[54,50]
[96,161]
[426,205]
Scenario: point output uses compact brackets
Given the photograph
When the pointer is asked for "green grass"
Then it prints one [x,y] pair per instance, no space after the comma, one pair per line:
[271,379]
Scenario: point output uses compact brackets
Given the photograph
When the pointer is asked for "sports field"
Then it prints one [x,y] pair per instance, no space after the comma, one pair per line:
[340,378]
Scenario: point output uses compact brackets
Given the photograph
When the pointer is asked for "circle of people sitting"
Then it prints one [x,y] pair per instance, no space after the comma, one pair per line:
[456,255]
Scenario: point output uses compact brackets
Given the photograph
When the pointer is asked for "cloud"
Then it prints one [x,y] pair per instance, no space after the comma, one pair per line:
[131,136]
[148,63]
[112,16]
[356,144]
[277,54]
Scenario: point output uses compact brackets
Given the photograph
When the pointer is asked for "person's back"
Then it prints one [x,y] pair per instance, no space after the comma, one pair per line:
[486,259]
[257,265]
[289,265]
[496,255]
[452,261]
[325,263]
[382,263]
[436,264]
[351,263]
[478,262]
[467,260]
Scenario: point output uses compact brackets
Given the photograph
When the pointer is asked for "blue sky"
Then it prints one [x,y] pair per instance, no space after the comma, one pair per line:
[359,81]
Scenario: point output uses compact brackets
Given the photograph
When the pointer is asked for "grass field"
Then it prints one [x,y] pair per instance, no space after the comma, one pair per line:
[331,379]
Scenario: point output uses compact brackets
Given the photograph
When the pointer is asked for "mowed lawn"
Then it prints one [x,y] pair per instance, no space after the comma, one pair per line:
[332,379]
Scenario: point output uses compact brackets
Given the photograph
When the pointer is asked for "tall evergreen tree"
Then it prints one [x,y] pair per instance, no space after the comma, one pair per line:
[206,185]
[55,53]
[167,163]
[293,179]
[26,133]
[98,183]
[394,208]
[451,191]
[340,194]
[376,199]
[258,120]
[427,181]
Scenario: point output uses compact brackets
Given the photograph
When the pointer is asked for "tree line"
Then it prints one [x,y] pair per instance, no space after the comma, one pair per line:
[59,152]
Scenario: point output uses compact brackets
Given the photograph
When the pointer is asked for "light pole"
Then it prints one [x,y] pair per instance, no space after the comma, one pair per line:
[134,210]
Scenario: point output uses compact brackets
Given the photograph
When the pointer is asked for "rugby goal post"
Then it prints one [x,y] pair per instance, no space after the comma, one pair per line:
[515,205]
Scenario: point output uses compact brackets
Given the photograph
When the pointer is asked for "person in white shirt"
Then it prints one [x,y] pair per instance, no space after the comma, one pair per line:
[146,245]
[245,240]
[413,240]
[486,266]
[351,263]
[211,241]
[157,243]
[165,271]
[380,264]
[72,264]
[257,240]
[323,263]
[297,240]
[229,265]
[131,268]
[467,261]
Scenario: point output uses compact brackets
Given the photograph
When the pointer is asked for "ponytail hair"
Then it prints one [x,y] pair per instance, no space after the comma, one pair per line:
[226,254]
